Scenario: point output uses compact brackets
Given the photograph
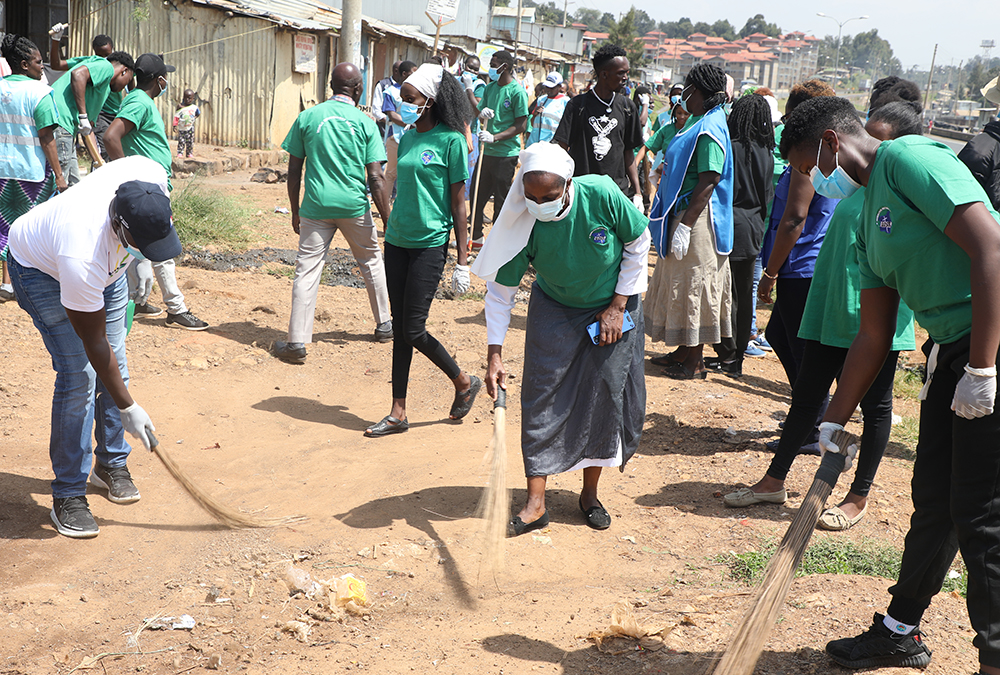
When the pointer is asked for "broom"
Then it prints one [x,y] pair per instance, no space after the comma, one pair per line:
[224,514]
[475,196]
[494,506]
[749,638]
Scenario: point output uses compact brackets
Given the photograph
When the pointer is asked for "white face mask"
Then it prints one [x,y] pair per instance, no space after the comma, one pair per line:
[548,211]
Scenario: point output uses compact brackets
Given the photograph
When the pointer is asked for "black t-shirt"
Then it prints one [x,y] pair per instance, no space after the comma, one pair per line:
[753,190]
[601,142]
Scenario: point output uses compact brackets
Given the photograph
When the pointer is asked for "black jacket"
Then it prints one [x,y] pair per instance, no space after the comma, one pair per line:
[982,156]
[753,190]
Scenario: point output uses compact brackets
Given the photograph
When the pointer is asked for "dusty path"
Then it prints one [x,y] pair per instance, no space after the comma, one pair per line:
[398,512]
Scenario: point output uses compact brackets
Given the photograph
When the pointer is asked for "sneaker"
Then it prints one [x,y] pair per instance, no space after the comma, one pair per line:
[72,517]
[7,293]
[118,483]
[753,351]
[383,332]
[762,343]
[478,243]
[147,310]
[290,352]
[879,647]
[186,320]
[732,368]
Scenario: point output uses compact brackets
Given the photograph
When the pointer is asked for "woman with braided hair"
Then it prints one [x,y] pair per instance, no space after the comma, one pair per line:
[29,163]
[691,222]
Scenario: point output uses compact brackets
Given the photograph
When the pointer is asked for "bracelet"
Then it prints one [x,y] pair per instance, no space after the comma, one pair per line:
[768,276]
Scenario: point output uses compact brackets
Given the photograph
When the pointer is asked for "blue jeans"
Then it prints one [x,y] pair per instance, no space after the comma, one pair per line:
[758,272]
[79,397]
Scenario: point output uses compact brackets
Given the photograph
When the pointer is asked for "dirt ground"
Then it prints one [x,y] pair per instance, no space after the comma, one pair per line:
[399,512]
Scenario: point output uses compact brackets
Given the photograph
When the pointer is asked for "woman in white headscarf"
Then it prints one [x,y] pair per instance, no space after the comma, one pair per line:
[583,398]
[430,200]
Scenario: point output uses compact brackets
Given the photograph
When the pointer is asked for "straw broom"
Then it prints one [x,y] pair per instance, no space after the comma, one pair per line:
[226,515]
[494,506]
[749,637]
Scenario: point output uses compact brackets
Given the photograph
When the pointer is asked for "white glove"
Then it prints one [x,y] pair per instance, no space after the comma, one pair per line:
[468,80]
[140,278]
[644,99]
[487,114]
[637,200]
[682,239]
[826,444]
[485,136]
[460,280]
[137,422]
[86,128]
[58,31]
[975,393]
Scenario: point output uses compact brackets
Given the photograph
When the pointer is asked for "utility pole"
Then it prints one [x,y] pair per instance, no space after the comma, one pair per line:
[565,11]
[517,32]
[349,44]
[930,78]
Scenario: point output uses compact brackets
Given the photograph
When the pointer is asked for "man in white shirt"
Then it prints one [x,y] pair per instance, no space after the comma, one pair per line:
[67,262]
[378,97]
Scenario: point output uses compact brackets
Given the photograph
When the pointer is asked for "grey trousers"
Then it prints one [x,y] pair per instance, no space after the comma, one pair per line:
[66,150]
[314,242]
[167,279]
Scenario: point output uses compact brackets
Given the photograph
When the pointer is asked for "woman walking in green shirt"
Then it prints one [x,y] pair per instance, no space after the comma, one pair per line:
[430,201]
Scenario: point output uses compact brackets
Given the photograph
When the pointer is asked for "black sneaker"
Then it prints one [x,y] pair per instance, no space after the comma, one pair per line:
[118,483]
[290,352]
[879,647]
[147,310]
[72,517]
[383,332]
[187,321]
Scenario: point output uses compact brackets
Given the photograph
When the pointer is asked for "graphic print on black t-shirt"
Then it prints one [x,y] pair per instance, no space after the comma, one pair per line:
[603,125]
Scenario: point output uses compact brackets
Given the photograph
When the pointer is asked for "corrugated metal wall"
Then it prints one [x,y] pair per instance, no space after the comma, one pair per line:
[237,79]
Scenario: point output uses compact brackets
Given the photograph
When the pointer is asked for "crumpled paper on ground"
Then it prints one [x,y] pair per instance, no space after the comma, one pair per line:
[626,630]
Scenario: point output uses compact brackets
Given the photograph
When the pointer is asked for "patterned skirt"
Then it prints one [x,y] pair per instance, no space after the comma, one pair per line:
[17,197]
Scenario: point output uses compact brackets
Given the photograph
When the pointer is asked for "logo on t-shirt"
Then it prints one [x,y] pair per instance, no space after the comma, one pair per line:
[506,103]
[599,236]
[426,156]
[603,125]
[884,219]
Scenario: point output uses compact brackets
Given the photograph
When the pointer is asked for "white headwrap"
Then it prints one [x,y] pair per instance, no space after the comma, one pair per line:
[426,79]
[513,226]
[772,103]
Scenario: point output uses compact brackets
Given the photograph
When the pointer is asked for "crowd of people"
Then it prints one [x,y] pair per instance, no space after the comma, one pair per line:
[861,227]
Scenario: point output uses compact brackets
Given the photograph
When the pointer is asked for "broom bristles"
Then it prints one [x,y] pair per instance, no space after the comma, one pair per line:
[226,515]
[494,506]
[749,638]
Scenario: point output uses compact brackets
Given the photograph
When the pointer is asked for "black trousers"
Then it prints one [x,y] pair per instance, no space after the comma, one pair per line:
[497,177]
[783,328]
[822,364]
[956,501]
[411,277]
[744,306]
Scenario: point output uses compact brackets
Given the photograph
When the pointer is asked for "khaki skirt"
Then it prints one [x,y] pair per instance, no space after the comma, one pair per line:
[689,301]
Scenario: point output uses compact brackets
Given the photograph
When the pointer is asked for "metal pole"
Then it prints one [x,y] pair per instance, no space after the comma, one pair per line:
[565,11]
[930,78]
[349,45]
[836,63]
[517,33]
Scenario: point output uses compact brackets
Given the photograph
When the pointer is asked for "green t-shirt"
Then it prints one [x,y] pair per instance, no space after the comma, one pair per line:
[508,103]
[914,187]
[149,138]
[337,141]
[659,141]
[101,72]
[427,165]
[779,166]
[45,110]
[579,257]
[833,309]
[708,156]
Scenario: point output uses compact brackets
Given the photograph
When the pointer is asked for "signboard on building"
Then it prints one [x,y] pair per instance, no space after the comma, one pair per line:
[485,52]
[447,10]
[305,53]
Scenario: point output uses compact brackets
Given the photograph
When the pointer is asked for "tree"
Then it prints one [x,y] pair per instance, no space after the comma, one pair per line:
[548,12]
[624,34]
[703,27]
[758,24]
[978,72]
[607,21]
[677,29]
[723,29]
[643,22]
[588,16]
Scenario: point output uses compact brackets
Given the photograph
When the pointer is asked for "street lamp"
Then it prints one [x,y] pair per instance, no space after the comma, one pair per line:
[840,30]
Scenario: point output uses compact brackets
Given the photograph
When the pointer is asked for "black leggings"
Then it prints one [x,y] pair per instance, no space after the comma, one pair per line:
[783,326]
[498,176]
[820,366]
[411,277]
[744,306]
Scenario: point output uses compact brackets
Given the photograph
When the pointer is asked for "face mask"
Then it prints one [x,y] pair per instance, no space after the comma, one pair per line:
[494,74]
[684,103]
[166,84]
[410,112]
[838,185]
[728,107]
[675,99]
[135,253]
[547,211]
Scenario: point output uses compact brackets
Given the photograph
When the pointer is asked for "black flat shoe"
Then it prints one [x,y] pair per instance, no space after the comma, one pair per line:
[388,426]
[597,517]
[679,371]
[464,399]
[516,527]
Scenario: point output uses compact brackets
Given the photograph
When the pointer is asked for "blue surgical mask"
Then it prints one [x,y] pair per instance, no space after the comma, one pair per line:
[838,185]
[675,99]
[135,253]
[547,211]
[494,74]
[728,107]
[684,102]
[410,112]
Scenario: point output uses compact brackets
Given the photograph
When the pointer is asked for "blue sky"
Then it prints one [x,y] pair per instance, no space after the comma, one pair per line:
[911,27]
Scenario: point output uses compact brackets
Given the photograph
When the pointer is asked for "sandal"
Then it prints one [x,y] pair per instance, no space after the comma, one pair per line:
[665,360]
[388,426]
[597,517]
[464,399]
[679,371]
[516,527]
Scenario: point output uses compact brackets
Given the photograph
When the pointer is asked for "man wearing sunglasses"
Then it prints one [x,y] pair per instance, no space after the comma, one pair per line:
[67,262]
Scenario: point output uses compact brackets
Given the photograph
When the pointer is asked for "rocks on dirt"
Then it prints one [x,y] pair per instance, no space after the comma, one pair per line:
[269,175]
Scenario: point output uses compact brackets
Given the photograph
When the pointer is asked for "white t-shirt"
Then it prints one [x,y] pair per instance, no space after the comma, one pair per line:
[69,237]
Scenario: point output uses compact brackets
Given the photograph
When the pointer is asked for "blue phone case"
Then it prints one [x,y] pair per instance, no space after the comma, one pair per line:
[594,329]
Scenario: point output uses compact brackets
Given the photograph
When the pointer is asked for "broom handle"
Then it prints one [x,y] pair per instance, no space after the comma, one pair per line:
[153,443]
[475,194]
[501,401]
